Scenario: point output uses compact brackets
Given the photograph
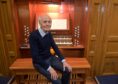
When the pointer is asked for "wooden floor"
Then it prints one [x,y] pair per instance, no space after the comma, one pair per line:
[89,81]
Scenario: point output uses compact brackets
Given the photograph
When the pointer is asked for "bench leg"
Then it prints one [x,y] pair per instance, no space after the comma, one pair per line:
[84,79]
[17,78]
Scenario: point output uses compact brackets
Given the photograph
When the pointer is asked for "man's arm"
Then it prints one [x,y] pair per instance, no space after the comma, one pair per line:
[56,49]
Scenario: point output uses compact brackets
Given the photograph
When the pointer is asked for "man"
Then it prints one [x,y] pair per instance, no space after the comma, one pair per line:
[41,41]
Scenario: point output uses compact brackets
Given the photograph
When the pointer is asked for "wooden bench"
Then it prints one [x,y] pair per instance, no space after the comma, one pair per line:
[24,71]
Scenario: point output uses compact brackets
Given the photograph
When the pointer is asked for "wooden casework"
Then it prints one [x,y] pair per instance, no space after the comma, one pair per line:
[8,48]
[103,37]
[67,51]
[98,34]
[18,16]
[51,1]
[100,29]
[74,11]
[44,1]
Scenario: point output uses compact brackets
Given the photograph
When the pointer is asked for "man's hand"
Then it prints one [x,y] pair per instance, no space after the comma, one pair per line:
[53,73]
[65,64]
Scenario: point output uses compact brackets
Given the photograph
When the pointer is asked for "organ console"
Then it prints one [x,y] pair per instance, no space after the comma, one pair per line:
[69,15]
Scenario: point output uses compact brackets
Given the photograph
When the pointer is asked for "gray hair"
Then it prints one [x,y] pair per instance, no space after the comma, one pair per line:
[39,20]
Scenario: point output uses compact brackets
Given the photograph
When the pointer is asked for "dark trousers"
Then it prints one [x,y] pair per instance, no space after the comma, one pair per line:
[57,65]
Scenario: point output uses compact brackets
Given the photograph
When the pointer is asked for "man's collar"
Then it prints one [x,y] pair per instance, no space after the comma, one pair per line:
[42,32]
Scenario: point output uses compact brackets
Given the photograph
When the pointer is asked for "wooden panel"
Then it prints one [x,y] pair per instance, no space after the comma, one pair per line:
[22,11]
[112,47]
[78,11]
[103,39]
[8,31]
[110,52]
[94,33]
[98,1]
[3,61]
[43,1]
[113,20]
[70,53]
[67,51]
[110,66]
[95,25]
[113,38]
[81,21]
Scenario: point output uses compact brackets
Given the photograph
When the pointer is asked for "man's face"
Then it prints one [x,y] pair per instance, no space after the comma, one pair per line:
[46,23]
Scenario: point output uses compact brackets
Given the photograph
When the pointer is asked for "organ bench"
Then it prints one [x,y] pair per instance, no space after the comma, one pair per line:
[25,73]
